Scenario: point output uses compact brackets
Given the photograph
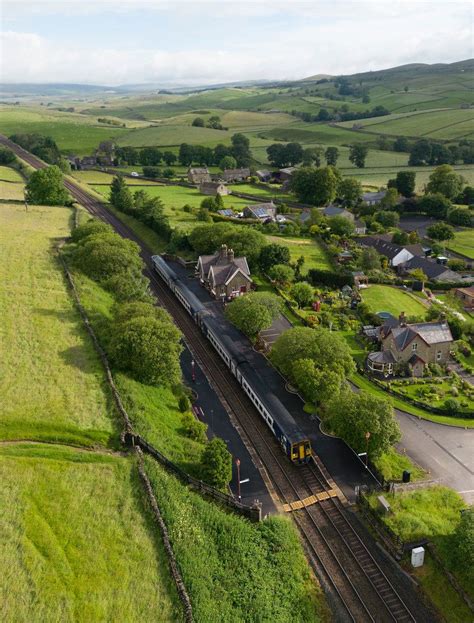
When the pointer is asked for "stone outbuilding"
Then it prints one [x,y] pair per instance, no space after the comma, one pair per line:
[213,188]
[198,175]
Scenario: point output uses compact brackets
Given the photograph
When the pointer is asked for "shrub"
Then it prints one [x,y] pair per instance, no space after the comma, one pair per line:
[183,403]
[193,428]
[451,406]
[216,464]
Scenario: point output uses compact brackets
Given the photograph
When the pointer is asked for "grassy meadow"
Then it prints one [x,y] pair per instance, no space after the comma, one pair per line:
[463,243]
[52,384]
[78,543]
[313,253]
[393,300]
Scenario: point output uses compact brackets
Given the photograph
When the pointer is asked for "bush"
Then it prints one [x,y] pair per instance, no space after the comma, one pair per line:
[90,228]
[451,406]
[6,156]
[193,428]
[45,187]
[216,464]
[183,403]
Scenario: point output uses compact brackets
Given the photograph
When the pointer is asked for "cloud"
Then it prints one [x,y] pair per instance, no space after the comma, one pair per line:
[337,37]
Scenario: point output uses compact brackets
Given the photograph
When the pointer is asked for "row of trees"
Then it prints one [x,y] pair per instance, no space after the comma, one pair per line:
[290,154]
[148,210]
[140,338]
[214,123]
[340,114]
[426,152]
[239,150]
[42,146]
[146,156]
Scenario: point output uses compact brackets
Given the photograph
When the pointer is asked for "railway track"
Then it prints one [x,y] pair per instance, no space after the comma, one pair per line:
[361,590]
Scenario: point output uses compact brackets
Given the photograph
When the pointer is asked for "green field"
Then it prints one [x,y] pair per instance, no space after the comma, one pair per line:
[78,544]
[52,383]
[463,243]
[12,191]
[314,255]
[378,176]
[7,174]
[167,135]
[393,300]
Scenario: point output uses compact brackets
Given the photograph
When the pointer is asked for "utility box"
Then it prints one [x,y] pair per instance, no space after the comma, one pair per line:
[384,505]
[417,556]
[406,476]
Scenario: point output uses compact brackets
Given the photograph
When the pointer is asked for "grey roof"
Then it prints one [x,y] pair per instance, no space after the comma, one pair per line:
[305,215]
[431,269]
[382,356]
[226,212]
[332,210]
[211,185]
[430,332]
[198,171]
[378,196]
[222,267]
[389,249]
[288,170]
[261,210]
[234,173]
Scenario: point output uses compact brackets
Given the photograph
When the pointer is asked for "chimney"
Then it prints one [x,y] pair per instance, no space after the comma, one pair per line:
[230,255]
[223,252]
[402,319]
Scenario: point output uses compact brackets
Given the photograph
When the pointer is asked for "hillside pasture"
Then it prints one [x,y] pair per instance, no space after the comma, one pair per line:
[52,384]
[173,135]
[393,300]
[12,191]
[78,542]
[378,176]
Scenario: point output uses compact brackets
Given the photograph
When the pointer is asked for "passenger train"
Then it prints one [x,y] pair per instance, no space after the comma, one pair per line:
[294,443]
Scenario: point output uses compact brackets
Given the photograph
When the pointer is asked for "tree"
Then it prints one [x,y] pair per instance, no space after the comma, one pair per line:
[400,237]
[170,158]
[369,259]
[312,155]
[294,153]
[198,122]
[436,205]
[387,218]
[401,144]
[272,254]
[467,196]
[303,293]
[358,154]
[331,154]
[6,156]
[281,155]
[46,187]
[446,181]
[350,191]
[405,183]
[440,232]
[186,154]
[216,464]
[317,385]
[417,274]
[120,195]
[461,216]
[251,314]
[244,240]
[148,347]
[341,226]
[150,156]
[227,162]
[241,149]
[420,153]
[352,415]
[281,274]
[91,227]
[315,186]
[390,200]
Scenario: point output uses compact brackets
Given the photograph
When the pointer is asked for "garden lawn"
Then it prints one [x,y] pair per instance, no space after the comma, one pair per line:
[463,243]
[79,544]
[262,191]
[52,384]
[313,253]
[235,571]
[393,300]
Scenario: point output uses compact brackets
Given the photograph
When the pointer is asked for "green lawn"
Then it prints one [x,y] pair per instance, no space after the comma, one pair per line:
[7,174]
[393,300]
[392,464]
[52,384]
[262,191]
[313,253]
[78,542]
[463,243]
[12,191]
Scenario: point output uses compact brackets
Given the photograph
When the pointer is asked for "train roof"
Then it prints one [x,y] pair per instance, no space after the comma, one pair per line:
[232,348]
[163,264]
[196,304]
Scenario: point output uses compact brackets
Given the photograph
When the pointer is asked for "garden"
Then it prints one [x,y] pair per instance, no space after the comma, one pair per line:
[451,395]
[393,300]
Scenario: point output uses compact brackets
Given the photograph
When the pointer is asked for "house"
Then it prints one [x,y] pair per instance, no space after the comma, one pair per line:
[75,162]
[284,175]
[261,211]
[333,210]
[213,188]
[372,199]
[224,275]
[395,253]
[226,212]
[304,217]
[235,175]
[413,345]
[198,175]
[466,295]
[433,270]
[88,161]
[360,227]
[264,176]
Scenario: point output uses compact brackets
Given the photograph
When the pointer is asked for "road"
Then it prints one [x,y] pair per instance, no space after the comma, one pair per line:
[447,452]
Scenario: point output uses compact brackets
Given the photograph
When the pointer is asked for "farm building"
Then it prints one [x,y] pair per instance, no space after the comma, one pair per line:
[284,175]
[466,295]
[223,274]
[198,175]
[213,188]
[412,345]
[88,161]
[262,211]
[332,210]
[226,212]
[371,199]
[264,176]
[360,227]
[235,175]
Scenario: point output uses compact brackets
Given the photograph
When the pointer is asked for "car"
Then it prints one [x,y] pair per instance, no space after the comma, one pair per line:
[135,174]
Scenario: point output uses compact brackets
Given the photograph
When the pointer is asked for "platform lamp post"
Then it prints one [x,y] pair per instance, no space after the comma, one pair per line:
[193,371]
[367,437]
[237,462]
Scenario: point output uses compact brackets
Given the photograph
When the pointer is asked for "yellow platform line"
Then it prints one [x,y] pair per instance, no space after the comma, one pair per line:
[309,501]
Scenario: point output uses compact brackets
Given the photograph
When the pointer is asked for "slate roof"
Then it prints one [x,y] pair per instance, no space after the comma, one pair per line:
[430,332]
[262,210]
[211,185]
[226,212]
[382,356]
[431,269]
[199,171]
[222,267]
[230,174]
[389,249]
[378,196]
[332,210]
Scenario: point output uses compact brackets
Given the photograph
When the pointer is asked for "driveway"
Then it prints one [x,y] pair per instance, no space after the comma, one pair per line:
[280,324]
[446,451]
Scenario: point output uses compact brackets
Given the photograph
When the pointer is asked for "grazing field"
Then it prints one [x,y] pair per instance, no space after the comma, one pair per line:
[313,253]
[262,191]
[236,571]
[73,133]
[52,384]
[440,124]
[101,177]
[463,243]
[7,174]
[166,135]
[393,300]
[12,191]
[378,176]
[78,543]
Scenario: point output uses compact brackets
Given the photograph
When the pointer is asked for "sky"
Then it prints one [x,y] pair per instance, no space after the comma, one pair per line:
[196,43]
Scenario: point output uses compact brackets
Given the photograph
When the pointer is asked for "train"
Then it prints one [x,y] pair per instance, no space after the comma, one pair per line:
[294,443]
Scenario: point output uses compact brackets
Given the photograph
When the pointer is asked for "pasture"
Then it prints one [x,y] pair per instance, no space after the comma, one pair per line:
[313,253]
[52,384]
[393,300]
[79,544]
[12,191]
[378,176]
[8,174]
[463,243]
[173,135]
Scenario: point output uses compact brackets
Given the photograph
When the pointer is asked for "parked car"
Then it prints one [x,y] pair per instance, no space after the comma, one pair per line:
[135,174]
